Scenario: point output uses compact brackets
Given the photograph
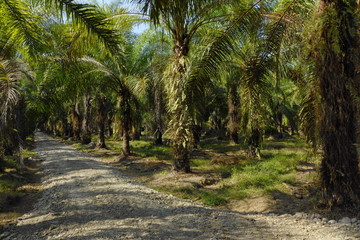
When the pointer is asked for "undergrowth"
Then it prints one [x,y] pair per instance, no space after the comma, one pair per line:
[11,177]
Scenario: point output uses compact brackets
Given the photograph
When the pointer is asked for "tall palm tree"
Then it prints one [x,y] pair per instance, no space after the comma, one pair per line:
[335,50]
[182,19]
[13,72]
[126,81]
[155,47]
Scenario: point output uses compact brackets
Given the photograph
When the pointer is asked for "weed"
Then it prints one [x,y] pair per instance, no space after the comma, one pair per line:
[147,149]
[201,163]
[212,199]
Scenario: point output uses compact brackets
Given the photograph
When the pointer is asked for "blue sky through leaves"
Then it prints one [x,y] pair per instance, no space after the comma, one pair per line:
[138,29]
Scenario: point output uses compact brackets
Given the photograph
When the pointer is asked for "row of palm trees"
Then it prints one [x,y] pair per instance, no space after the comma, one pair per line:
[248,67]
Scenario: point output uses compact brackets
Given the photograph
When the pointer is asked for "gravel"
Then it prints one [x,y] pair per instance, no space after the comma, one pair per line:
[84,198]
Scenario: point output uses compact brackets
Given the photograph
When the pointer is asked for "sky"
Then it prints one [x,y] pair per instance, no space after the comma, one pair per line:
[138,29]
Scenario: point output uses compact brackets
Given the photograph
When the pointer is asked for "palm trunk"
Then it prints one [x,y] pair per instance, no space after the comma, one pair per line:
[136,132]
[336,70]
[76,122]
[126,142]
[125,121]
[109,125]
[196,135]
[279,125]
[181,120]
[254,144]
[86,128]
[101,119]
[233,115]
[20,126]
[2,156]
[158,112]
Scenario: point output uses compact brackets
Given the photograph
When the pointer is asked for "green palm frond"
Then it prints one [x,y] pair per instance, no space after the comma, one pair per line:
[94,21]
[11,72]
[21,24]
[309,112]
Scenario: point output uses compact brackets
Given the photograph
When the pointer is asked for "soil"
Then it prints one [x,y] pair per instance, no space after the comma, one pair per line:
[85,198]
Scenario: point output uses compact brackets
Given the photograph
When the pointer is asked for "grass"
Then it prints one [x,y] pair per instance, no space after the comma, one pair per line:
[9,178]
[218,146]
[8,183]
[212,199]
[252,177]
[147,149]
[201,163]
[259,177]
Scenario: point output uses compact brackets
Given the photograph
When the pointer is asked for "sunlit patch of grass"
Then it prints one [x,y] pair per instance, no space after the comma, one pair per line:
[262,176]
[11,162]
[163,173]
[27,153]
[8,184]
[113,145]
[80,147]
[212,199]
[231,191]
[219,146]
[147,149]
[292,143]
[201,163]
[9,216]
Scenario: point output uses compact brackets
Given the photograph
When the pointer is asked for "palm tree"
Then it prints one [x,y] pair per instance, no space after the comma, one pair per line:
[13,72]
[233,102]
[182,19]
[335,48]
[126,81]
[155,47]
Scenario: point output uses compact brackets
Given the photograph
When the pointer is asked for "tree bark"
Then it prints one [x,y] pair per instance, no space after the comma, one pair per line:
[136,132]
[233,115]
[181,119]
[279,125]
[101,119]
[76,122]
[86,124]
[254,144]
[336,71]
[20,127]
[158,113]
[125,109]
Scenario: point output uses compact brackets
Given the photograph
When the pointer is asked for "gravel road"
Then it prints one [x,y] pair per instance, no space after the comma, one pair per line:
[84,198]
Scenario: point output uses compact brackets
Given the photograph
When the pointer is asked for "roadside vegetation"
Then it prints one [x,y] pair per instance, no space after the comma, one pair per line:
[19,185]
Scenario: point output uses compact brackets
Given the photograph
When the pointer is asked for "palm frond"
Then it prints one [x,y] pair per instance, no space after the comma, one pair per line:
[94,21]
[22,25]
[9,85]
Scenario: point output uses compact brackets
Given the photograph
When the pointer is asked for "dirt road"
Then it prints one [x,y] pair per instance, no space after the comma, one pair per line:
[86,199]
